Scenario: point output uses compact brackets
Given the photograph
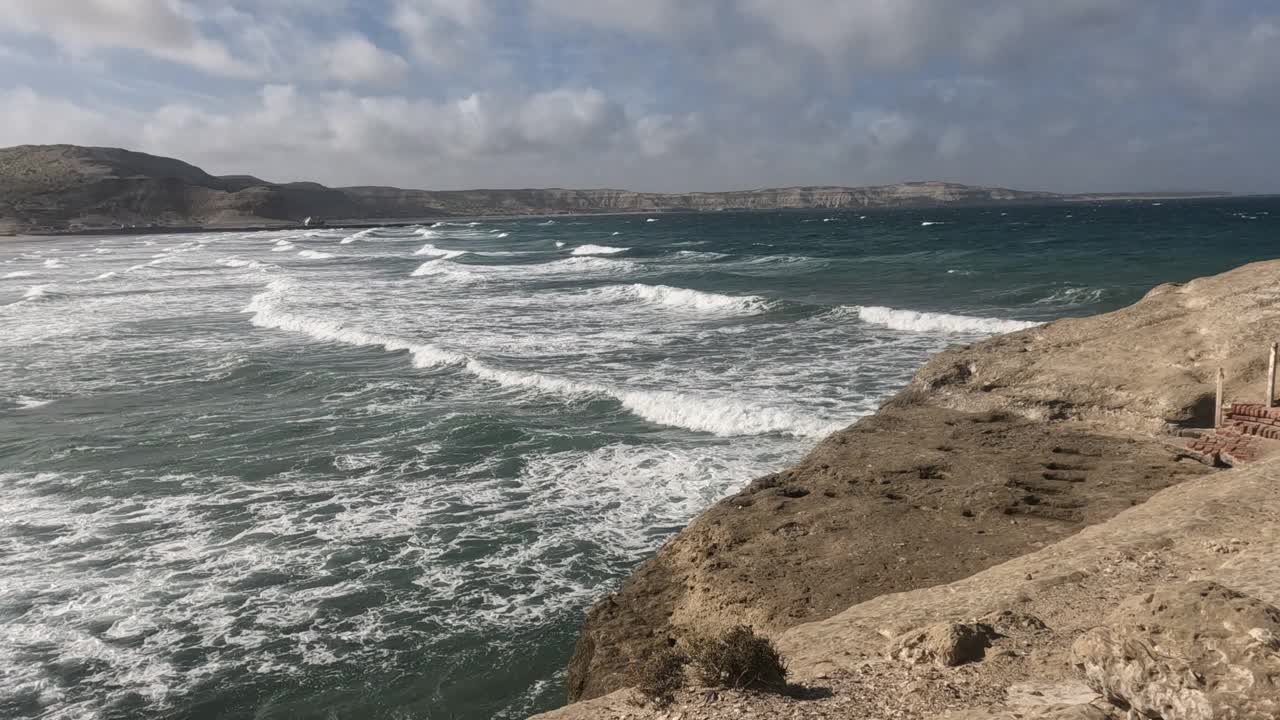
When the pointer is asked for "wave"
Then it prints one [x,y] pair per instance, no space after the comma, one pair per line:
[106,275]
[651,220]
[717,416]
[684,299]
[27,403]
[442,269]
[1073,296]
[503,235]
[914,321]
[597,250]
[559,243]
[36,293]
[434,251]
[315,255]
[18,274]
[355,236]
[927,223]
[283,246]
[266,314]
[54,263]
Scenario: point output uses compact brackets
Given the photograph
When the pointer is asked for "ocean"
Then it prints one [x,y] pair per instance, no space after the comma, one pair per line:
[383,474]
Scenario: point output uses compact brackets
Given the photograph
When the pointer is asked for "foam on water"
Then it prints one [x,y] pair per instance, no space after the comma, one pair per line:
[434,251]
[54,263]
[914,321]
[683,299]
[1072,296]
[283,246]
[18,274]
[927,223]
[314,255]
[446,271]
[597,250]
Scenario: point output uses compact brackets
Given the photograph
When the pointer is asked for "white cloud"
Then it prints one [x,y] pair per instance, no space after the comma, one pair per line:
[354,60]
[160,28]
[441,32]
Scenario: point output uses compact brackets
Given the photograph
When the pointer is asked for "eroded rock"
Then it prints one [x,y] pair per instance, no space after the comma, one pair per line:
[1193,651]
[944,644]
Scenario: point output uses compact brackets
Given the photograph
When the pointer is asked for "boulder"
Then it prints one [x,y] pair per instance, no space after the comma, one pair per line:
[945,644]
[1193,651]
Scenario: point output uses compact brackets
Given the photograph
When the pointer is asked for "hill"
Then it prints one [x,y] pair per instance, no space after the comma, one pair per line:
[51,188]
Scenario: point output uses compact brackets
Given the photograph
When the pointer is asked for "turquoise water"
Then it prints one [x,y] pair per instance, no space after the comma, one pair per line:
[383,474]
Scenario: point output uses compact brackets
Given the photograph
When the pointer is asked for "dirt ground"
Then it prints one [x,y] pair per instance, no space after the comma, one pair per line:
[912,497]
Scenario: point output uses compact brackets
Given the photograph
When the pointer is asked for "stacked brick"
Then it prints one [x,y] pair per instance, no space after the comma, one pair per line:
[1258,420]
[1241,438]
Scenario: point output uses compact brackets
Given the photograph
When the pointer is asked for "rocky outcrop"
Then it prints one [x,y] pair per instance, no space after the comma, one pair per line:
[995,451]
[1196,651]
[60,187]
[944,644]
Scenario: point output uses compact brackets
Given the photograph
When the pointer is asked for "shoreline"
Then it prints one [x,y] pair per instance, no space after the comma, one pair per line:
[370,223]
[1004,450]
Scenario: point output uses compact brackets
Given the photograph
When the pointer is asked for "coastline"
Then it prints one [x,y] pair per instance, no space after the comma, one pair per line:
[1006,451]
[370,223]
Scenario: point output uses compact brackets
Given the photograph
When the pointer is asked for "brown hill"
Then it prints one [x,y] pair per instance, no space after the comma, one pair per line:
[68,187]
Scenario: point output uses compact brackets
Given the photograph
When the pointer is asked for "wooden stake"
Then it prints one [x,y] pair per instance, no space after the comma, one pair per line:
[1217,405]
[1271,376]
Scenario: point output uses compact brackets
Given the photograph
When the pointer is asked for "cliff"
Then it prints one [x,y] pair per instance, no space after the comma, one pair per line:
[61,187]
[966,495]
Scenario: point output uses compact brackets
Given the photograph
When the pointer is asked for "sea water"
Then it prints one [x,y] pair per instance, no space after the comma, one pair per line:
[383,474]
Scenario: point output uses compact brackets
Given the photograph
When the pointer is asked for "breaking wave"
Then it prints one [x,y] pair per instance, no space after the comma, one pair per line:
[18,274]
[597,250]
[433,251]
[684,299]
[718,416]
[442,269]
[914,321]
[314,255]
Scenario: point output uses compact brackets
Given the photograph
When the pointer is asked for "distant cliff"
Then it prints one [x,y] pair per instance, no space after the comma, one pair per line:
[68,187]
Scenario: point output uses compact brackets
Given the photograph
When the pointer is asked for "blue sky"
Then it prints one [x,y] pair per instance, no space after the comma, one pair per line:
[1070,95]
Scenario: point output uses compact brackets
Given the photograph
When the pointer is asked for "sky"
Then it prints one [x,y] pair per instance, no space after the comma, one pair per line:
[662,95]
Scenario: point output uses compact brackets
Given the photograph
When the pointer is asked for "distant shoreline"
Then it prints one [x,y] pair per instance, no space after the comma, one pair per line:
[369,223]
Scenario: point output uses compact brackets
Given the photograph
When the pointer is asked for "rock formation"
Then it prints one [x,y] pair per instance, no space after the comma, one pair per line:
[962,503]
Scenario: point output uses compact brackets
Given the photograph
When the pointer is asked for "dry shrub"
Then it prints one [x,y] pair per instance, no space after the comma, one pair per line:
[659,677]
[739,659]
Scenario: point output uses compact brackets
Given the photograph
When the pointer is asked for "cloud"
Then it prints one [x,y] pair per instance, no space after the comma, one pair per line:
[354,60]
[441,32]
[664,94]
[160,28]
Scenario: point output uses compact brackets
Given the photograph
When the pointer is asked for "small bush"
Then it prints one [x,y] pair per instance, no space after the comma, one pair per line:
[739,659]
[659,677]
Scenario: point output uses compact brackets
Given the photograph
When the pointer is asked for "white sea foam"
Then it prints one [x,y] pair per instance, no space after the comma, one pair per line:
[37,292]
[433,251]
[267,313]
[106,275]
[355,237]
[683,299]
[443,270]
[559,243]
[913,321]
[597,250]
[1072,296]
[549,222]
[651,219]
[502,235]
[927,223]
[314,255]
[25,402]
[715,415]
[54,263]
[18,274]
[283,246]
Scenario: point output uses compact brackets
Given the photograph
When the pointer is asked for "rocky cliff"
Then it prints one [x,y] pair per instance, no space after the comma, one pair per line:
[996,451]
[58,187]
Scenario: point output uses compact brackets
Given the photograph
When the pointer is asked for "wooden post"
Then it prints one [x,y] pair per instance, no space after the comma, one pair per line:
[1271,376]
[1217,405]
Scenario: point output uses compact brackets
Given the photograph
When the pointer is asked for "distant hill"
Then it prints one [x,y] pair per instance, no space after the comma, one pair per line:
[69,187]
